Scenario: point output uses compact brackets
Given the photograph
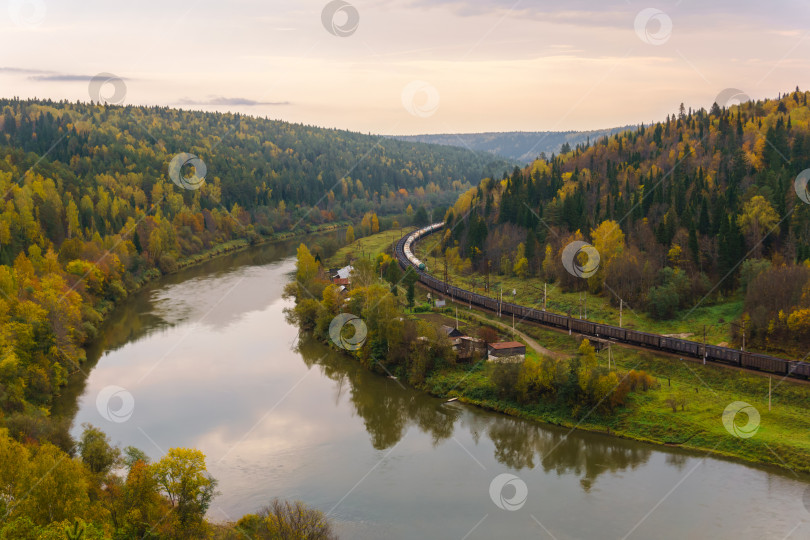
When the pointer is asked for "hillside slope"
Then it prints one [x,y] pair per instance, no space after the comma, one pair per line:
[682,213]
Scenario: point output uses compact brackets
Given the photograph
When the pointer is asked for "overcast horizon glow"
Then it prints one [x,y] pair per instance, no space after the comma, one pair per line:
[411,66]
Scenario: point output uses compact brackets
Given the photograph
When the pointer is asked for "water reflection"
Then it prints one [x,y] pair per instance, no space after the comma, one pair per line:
[388,410]
[386,407]
[208,294]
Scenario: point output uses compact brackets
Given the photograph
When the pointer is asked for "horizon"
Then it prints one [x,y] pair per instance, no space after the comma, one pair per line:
[409,67]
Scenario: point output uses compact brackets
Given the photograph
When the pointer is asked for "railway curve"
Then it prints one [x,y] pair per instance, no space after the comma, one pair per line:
[710,353]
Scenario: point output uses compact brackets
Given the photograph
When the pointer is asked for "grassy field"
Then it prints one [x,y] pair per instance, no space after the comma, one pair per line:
[783,436]
[368,246]
[529,292]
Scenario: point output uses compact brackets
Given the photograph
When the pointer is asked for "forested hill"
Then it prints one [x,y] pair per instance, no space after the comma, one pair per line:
[686,212]
[253,162]
[520,146]
[91,208]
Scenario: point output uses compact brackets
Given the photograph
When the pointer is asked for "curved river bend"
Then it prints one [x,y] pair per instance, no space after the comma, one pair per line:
[210,363]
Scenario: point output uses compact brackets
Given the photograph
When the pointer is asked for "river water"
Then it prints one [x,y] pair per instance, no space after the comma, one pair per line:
[205,359]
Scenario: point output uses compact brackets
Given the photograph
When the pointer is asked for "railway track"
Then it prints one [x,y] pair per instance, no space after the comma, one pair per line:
[711,353]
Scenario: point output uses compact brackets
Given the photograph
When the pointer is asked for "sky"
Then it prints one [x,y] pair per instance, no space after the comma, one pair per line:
[408,66]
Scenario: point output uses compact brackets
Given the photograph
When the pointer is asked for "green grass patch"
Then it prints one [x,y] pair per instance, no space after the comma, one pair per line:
[782,440]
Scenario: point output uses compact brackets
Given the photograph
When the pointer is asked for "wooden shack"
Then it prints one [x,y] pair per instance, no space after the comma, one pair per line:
[506,351]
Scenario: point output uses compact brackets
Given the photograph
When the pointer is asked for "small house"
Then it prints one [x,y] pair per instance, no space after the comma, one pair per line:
[450,332]
[340,276]
[507,351]
[470,347]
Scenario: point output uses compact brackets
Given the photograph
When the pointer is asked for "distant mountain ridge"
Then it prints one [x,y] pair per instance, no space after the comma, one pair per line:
[523,146]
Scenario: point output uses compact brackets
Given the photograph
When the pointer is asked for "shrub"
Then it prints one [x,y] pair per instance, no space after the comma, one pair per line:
[167,264]
[287,520]
[505,378]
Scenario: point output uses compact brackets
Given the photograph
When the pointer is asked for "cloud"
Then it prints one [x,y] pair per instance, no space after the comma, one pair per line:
[235,101]
[60,77]
[615,13]
[40,75]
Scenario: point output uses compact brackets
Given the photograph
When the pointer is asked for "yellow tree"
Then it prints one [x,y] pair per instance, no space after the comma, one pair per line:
[350,234]
[757,219]
[608,239]
[587,358]
[182,476]
[307,266]
[56,487]
[365,223]
[14,457]
[74,226]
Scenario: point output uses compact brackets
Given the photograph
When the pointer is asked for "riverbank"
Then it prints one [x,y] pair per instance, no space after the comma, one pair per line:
[700,395]
[782,438]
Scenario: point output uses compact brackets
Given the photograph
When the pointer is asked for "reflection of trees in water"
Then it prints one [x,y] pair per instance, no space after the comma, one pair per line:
[520,444]
[677,460]
[388,410]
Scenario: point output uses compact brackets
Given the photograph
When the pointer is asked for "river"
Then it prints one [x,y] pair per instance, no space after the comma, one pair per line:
[205,359]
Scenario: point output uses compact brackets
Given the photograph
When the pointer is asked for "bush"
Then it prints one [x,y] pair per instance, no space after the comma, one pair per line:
[167,264]
[505,378]
[284,520]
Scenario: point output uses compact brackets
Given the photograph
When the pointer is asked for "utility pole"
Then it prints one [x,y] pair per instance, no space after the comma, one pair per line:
[545,294]
[743,343]
[580,305]
[585,301]
[621,308]
[487,285]
[704,344]
[456,317]
[500,302]
[770,378]
[513,323]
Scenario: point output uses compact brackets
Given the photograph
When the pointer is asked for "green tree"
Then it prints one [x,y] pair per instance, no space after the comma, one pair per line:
[410,280]
[184,479]
[96,451]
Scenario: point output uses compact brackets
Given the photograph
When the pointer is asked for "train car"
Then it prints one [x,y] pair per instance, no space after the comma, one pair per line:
[681,346]
[611,331]
[763,362]
[723,354]
[800,369]
[560,321]
[643,338]
[533,315]
[583,327]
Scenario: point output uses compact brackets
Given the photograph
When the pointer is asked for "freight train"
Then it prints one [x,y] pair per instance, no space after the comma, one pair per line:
[711,353]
